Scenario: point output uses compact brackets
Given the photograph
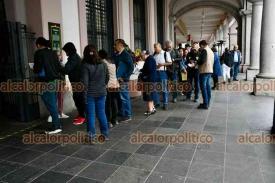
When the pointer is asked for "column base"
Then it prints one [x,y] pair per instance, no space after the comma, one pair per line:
[264,87]
[251,73]
[244,67]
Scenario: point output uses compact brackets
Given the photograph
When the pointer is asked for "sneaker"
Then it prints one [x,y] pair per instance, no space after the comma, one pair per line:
[53,132]
[79,121]
[117,123]
[50,119]
[174,100]
[126,120]
[196,100]
[111,125]
[63,116]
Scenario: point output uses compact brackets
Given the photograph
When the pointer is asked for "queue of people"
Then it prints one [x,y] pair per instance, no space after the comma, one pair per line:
[105,79]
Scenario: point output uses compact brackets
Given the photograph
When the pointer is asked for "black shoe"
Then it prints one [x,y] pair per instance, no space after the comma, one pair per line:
[149,113]
[157,106]
[125,120]
[235,80]
[202,106]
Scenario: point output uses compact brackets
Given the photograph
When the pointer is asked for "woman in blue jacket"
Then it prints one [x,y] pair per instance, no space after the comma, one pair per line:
[217,71]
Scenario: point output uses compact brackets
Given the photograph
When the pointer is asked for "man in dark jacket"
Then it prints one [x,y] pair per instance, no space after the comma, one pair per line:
[47,67]
[237,59]
[125,67]
[193,72]
[73,69]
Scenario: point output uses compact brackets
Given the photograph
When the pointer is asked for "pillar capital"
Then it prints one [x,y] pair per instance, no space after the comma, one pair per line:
[256,2]
[246,12]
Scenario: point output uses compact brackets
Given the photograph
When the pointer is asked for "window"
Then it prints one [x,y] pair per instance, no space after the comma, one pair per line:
[139,24]
[100,24]
[2,11]
[160,19]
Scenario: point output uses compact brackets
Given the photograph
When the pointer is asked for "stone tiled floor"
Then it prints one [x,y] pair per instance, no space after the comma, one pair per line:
[119,161]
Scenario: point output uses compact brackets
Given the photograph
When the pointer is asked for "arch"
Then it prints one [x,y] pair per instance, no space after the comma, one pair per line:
[234,11]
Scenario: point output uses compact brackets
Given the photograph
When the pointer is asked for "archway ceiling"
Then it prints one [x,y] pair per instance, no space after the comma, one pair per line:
[192,11]
[200,23]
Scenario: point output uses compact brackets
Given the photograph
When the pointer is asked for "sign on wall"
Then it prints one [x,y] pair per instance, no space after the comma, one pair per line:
[55,36]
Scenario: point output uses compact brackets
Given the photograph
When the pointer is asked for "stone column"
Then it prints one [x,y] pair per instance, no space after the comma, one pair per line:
[257,10]
[151,27]
[246,33]
[267,55]
[226,34]
[123,23]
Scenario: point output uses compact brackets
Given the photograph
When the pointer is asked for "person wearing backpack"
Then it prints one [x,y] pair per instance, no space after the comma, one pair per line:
[163,59]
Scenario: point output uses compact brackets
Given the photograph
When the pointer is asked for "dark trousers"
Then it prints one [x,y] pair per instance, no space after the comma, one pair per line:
[194,80]
[236,68]
[205,88]
[112,106]
[79,103]
[215,80]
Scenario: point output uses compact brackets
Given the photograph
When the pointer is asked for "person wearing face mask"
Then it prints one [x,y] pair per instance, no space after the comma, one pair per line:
[73,69]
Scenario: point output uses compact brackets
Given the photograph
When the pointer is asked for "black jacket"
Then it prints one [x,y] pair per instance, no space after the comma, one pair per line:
[46,60]
[227,59]
[73,68]
[149,70]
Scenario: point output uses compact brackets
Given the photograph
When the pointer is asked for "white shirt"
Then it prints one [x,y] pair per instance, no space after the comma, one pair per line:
[236,57]
[160,59]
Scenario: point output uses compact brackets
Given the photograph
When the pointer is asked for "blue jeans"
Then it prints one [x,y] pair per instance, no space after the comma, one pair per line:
[235,69]
[96,108]
[194,81]
[50,100]
[162,81]
[205,88]
[125,108]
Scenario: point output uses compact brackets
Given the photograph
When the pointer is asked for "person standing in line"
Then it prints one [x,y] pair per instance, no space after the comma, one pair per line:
[125,67]
[237,62]
[148,76]
[206,63]
[47,67]
[95,77]
[112,90]
[163,59]
[217,69]
[73,69]
[173,70]
[193,72]
[60,94]
[227,64]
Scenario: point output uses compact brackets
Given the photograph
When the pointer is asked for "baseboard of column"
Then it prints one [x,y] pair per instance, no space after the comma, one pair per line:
[244,68]
[264,87]
[251,74]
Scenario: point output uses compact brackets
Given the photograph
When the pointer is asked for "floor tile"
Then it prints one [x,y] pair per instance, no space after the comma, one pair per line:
[125,146]
[207,157]
[53,177]
[213,147]
[83,180]
[206,172]
[151,149]
[71,166]
[47,161]
[25,156]
[249,175]
[179,153]
[129,175]
[140,161]
[171,125]
[25,174]
[89,153]
[99,171]
[7,167]
[114,157]
[66,150]
[8,152]
[157,177]
[44,147]
[173,167]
